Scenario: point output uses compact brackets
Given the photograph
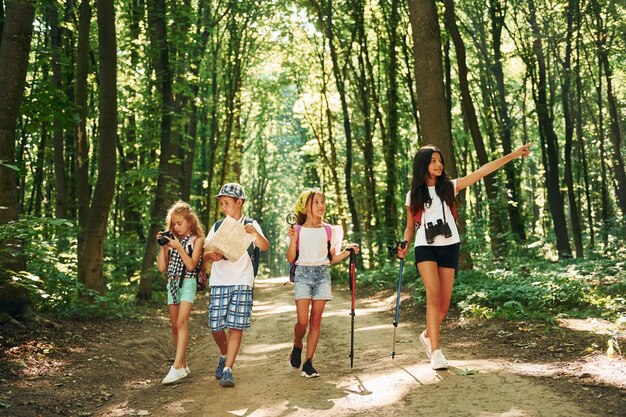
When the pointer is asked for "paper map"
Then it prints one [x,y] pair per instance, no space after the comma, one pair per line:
[231,240]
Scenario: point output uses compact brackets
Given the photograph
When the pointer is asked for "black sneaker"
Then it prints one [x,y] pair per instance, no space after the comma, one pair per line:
[295,357]
[308,371]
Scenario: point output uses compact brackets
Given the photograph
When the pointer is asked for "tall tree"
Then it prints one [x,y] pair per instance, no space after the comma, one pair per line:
[168,184]
[497,12]
[61,204]
[428,67]
[80,129]
[324,14]
[549,140]
[497,242]
[14,50]
[567,104]
[91,258]
[602,38]
[391,145]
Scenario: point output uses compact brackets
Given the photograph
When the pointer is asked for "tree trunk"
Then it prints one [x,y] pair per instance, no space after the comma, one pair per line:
[57,129]
[615,134]
[390,149]
[14,50]
[428,68]
[90,260]
[548,139]
[168,187]
[372,217]
[324,15]
[580,136]
[569,130]
[497,242]
[80,131]
[504,123]
[614,124]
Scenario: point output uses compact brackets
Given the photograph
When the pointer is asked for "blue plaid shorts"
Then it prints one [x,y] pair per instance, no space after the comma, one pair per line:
[230,306]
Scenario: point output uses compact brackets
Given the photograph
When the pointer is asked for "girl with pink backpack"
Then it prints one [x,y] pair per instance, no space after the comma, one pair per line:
[313,247]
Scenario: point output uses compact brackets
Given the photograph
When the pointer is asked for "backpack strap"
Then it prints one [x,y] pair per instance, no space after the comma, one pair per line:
[189,250]
[329,234]
[298,228]
[253,250]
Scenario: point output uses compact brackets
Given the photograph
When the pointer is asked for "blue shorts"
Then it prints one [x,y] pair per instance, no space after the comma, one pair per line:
[445,256]
[230,306]
[312,282]
[187,292]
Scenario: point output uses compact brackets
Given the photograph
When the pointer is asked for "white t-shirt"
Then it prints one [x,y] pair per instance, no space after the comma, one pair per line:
[432,214]
[312,247]
[228,272]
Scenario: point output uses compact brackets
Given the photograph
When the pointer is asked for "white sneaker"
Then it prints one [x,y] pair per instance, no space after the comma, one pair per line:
[438,361]
[426,343]
[187,370]
[174,375]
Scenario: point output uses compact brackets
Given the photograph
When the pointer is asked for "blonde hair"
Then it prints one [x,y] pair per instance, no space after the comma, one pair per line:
[184,209]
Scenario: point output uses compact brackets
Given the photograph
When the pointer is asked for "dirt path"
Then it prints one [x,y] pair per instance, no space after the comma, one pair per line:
[377,385]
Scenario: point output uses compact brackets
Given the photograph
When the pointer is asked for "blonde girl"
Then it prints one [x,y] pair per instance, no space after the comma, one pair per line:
[180,259]
[315,252]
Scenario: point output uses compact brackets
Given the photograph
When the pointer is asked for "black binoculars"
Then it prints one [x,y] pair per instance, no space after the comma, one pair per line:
[433,230]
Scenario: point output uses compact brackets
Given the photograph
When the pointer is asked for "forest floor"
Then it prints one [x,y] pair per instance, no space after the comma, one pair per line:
[498,368]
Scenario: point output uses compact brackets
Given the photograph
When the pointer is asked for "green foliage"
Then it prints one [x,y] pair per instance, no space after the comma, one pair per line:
[50,249]
[536,288]
[524,287]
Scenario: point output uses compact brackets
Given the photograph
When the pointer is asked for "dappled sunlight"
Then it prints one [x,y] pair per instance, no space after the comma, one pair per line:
[593,325]
[264,348]
[371,390]
[373,328]
[345,312]
[264,312]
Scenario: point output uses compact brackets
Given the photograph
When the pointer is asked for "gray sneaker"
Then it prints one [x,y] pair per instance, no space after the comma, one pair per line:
[219,369]
[227,379]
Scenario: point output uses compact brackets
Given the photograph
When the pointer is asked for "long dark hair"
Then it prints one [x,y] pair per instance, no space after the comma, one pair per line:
[419,190]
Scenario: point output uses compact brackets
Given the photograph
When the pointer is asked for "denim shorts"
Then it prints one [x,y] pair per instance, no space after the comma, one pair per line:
[445,256]
[230,306]
[312,282]
[187,292]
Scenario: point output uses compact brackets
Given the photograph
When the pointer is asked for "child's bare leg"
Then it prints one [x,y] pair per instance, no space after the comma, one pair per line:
[182,324]
[446,282]
[430,277]
[173,310]
[302,321]
[317,308]
[234,342]
[222,341]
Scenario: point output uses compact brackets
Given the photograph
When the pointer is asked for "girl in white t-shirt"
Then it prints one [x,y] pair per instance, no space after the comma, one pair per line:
[431,209]
[313,246]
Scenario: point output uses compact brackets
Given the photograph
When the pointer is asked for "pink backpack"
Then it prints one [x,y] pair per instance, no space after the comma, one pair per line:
[298,227]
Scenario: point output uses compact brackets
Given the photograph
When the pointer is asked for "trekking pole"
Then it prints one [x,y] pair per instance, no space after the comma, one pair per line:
[395,321]
[352,288]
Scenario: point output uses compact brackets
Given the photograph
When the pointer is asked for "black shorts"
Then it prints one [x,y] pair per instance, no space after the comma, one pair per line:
[445,256]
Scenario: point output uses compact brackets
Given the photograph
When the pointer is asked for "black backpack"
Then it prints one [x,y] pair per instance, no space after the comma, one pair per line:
[253,251]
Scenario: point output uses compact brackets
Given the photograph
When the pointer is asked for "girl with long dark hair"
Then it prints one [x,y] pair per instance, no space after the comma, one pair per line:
[431,218]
